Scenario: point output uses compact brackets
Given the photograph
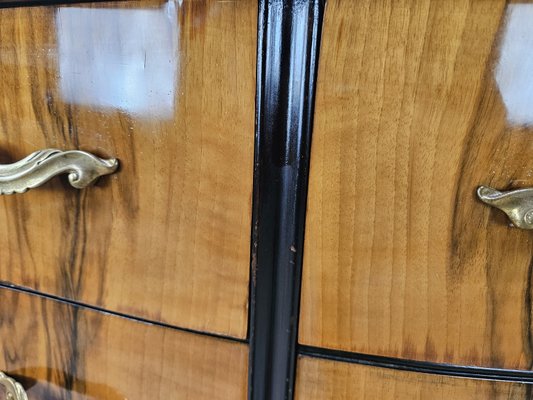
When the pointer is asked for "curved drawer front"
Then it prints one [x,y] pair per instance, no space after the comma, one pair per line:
[167,88]
[56,351]
[320,379]
[418,104]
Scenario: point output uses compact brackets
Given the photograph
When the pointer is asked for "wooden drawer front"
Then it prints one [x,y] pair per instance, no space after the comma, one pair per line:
[419,103]
[168,88]
[319,379]
[62,351]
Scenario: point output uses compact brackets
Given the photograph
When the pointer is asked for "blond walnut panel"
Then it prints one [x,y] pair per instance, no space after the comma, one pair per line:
[168,88]
[324,380]
[418,103]
[60,351]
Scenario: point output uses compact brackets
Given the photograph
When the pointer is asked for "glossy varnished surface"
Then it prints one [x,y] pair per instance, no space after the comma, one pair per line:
[419,103]
[329,380]
[167,88]
[60,351]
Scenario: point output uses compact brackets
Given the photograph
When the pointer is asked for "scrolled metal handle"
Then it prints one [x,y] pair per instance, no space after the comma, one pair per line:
[13,389]
[517,204]
[82,168]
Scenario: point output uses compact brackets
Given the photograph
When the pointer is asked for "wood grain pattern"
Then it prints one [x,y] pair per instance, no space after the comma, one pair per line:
[416,107]
[61,351]
[168,88]
[323,380]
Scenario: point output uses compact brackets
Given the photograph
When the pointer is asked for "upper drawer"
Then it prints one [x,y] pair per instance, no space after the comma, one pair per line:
[168,88]
[418,104]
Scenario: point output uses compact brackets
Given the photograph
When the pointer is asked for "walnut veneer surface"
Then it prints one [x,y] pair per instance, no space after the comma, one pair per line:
[168,88]
[418,103]
[330,380]
[62,351]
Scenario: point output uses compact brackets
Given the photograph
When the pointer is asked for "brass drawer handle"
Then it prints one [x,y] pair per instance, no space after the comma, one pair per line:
[39,167]
[14,390]
[517,204]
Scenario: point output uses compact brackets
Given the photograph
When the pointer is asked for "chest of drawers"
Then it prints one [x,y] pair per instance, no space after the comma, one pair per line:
[294,214]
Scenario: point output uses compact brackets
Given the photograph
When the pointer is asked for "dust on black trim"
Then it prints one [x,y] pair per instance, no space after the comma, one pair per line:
[287,58]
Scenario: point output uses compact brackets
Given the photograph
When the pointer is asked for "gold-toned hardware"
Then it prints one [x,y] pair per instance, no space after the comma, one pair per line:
[14,390]
[517,204]
[39,167]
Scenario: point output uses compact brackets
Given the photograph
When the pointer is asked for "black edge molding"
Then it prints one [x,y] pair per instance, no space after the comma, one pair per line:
[418,366]
[287,58]
[77,304]
[27,3]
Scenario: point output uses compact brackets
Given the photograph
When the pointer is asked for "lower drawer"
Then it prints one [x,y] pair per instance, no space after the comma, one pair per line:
[58,350]
[319,379]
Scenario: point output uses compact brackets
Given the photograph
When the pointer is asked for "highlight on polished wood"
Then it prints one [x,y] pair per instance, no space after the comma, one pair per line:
[418,104]
[168,88]
[57,351]
[319,379]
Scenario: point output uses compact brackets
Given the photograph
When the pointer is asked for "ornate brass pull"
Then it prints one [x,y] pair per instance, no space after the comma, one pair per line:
[13,389]
[517,204]
[39,167]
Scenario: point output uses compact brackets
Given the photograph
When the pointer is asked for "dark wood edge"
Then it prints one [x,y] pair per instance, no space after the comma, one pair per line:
[34,3]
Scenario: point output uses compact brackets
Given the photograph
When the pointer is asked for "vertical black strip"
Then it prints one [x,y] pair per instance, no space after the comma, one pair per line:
[287,56]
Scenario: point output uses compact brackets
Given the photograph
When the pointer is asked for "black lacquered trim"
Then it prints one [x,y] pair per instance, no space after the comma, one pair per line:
[425,367]
[32,3]
[287,56]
